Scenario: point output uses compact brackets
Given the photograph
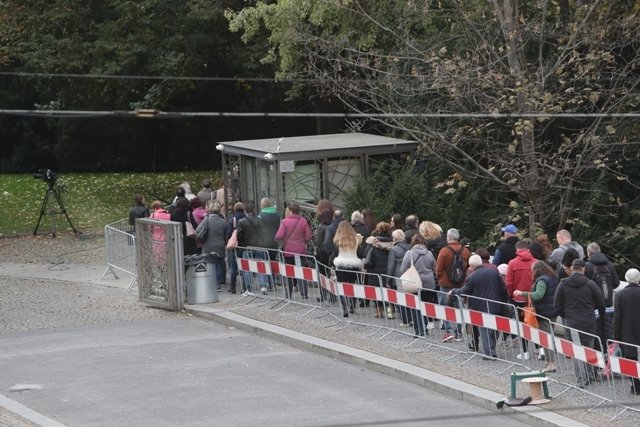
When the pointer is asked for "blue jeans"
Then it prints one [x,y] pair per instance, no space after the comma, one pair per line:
[233,270]
[488,338]
[442,300]
[221,271]
[263,279]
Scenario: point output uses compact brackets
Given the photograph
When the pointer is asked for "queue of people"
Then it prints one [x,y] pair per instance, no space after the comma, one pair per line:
[559,282]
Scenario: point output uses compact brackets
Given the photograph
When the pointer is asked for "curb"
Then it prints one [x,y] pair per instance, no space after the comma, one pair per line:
[532,415]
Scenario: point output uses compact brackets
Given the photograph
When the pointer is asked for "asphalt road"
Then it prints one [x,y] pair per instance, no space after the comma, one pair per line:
[188,371]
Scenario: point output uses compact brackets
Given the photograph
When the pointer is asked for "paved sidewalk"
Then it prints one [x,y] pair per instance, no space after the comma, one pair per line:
[227,313]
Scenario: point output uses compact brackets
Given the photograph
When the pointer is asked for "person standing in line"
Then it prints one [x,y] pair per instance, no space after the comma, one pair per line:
[232,224]
[270,224]
[484,284]
[446,259]
[396,255]
[542,293]
[411,229]
[206,194]
[138,211]
[506,251]
[520,277]
[576,299]
[626,318]
[600,269]
[182,214]
[294,233]
[424,261]
[563,237]
[213,240]
[396,222]
[346,260]
[369,219]
[249,237]
[376,257]
[198,210]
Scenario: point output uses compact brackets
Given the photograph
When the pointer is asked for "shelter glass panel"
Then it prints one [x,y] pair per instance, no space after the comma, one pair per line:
[341,174]
[305,183]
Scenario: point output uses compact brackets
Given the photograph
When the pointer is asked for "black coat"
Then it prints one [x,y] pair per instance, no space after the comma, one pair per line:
[484,283]
[577,297]
[626,314]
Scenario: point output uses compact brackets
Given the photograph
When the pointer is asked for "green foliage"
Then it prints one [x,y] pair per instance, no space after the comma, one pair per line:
[91,200]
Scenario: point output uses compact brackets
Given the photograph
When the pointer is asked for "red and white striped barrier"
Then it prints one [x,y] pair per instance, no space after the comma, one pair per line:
[295,272]
[351,290]
[490,321]
[329,284]
[254,265]
[401,298]
[442,312]
[537,336]
[626,367]
[577,351]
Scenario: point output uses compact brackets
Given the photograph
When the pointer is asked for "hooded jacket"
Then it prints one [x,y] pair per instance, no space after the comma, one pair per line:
[575,301]
[519,274]
[600,261]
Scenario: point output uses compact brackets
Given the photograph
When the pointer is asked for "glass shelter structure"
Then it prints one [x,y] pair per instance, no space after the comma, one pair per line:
[304,168]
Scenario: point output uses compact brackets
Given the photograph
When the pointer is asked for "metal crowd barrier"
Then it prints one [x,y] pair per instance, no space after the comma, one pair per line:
[120,250]
[579,367]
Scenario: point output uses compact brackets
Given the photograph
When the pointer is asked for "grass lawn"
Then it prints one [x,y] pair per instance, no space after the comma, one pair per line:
[91,200]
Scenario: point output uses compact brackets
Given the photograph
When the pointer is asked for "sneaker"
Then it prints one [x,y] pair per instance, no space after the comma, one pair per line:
[405,325]
[457,338]
[541,354]
[246,293]
[263,290]
[448,337]
[523,356]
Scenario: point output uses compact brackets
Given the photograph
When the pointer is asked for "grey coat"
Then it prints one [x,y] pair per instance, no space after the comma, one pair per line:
[214,238]
[424,262]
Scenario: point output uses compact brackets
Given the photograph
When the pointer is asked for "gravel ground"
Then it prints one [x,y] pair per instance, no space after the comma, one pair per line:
[53,304]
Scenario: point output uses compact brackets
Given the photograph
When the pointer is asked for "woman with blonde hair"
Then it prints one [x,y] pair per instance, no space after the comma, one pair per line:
[346,259]
[433,236]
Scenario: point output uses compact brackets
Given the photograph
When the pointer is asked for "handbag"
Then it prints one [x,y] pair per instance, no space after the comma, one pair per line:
[232,243]
[191,232]
[530,314]
[410,279]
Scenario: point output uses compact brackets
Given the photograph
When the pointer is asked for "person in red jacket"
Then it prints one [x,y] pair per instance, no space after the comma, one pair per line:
[520,278]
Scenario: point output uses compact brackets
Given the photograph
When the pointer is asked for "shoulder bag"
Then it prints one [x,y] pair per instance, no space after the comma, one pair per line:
[191,232]
[232,243]
[410,279]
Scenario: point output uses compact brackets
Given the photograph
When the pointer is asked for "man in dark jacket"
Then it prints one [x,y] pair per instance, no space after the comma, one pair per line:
[506,251]
[328,246]
[626,318]
[250,235]
[577,297]
[484,284]
[601,270]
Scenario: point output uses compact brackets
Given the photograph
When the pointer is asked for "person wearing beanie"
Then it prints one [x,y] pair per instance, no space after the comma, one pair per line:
[484,284]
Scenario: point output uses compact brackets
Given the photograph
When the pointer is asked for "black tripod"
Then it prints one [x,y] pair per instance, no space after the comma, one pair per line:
[53,190]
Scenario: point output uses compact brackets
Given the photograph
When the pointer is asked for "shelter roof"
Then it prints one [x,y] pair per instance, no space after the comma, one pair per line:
[319,146]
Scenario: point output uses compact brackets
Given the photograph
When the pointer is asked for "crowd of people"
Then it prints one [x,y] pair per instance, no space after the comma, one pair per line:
[561,282]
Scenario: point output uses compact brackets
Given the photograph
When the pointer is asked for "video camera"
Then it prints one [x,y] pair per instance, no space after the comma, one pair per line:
[46,175]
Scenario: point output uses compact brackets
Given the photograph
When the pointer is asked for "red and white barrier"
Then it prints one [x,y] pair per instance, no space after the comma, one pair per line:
[577,351]
[535,335]
[490,321]
[254,265]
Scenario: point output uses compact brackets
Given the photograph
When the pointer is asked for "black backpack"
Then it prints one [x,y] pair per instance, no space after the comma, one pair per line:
[456,270]
[604,280]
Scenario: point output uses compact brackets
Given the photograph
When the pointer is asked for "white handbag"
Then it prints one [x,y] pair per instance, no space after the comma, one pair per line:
[410,279]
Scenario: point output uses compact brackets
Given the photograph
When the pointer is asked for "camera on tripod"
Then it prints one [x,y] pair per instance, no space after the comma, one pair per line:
[46,175]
